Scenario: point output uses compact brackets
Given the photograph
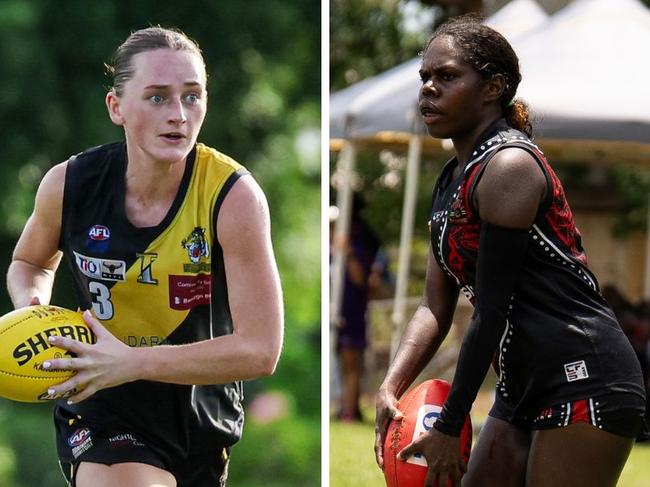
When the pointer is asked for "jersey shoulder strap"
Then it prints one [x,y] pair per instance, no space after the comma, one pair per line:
[88,177]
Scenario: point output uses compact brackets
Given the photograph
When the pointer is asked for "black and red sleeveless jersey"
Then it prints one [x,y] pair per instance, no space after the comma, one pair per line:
[561,341]
[164,284]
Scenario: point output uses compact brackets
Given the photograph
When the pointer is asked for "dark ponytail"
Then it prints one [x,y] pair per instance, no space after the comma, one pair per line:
[490,54]
[517,115]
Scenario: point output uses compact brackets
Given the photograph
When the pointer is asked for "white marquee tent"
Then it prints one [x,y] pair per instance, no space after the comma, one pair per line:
[388,103]
[585,74]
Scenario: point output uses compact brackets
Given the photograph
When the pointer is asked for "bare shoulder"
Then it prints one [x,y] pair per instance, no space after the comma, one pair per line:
[50,190]
[244,212]
[49,197]
[511,189]
[514,168]
[38,243]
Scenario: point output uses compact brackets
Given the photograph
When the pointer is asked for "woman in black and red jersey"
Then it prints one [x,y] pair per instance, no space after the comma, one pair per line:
[569,398]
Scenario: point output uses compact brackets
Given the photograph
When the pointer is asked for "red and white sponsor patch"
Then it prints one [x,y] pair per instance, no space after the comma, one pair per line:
[186,292]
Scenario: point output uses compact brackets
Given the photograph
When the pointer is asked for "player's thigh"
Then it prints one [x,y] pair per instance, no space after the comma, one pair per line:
[122,475]
[500,456]
[575,456]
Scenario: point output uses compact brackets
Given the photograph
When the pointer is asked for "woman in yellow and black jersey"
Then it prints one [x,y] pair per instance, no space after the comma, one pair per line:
[169,244]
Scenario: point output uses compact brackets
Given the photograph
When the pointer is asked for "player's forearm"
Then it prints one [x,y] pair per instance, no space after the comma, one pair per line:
[26,281]
[420,341]
[218,361]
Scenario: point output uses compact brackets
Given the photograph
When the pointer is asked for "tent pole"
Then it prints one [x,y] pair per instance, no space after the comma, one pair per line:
[345,167]
[646,287]
[406,236]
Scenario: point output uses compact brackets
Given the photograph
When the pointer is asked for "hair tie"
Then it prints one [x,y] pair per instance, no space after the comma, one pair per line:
[511,103]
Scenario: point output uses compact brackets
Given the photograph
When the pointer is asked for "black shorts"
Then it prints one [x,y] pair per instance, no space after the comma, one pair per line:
[110,442]
[618,413]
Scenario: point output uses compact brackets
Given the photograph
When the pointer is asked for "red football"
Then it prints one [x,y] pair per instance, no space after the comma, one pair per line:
[421,407]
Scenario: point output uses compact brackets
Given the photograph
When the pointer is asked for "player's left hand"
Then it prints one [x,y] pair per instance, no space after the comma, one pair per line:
[442,453]
[107,363]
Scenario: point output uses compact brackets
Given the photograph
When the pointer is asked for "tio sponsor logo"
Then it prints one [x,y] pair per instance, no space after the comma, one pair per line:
[105,269]
[87,266]
[78,437]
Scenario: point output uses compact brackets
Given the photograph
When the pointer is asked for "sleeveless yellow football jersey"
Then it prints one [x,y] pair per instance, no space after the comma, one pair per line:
[156,285]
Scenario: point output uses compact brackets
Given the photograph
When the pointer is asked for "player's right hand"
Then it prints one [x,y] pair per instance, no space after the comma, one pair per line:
[386,411]
[444,461]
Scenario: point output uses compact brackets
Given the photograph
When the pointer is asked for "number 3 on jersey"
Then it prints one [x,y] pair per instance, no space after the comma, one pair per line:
[101,297]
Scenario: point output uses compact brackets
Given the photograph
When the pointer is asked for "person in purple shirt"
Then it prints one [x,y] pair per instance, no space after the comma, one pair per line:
[351,340]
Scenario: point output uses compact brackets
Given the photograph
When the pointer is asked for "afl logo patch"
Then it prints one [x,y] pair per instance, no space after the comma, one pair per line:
[78,437]
[98,238]
[99,233]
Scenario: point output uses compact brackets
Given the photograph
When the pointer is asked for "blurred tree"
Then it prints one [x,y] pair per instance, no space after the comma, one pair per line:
[264,110]
[371,36]
[461,6]
[368,37]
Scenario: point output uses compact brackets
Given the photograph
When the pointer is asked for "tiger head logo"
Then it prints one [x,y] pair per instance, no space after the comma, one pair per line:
[196,245]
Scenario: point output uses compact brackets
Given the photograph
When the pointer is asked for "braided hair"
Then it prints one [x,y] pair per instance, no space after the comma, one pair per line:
[490,54]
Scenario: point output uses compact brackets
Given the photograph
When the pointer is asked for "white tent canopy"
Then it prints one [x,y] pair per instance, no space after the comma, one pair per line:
[586,71]
[388,102]
[586,76]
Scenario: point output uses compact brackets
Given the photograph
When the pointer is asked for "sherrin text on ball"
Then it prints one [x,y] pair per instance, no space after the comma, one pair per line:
[24,334]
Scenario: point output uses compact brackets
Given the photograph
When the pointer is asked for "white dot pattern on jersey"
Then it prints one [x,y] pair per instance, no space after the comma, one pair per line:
[558,256]
[565,414]
[503,349]
[467,290]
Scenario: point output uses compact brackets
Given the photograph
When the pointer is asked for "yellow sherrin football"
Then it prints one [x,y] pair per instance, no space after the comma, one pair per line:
[24,346]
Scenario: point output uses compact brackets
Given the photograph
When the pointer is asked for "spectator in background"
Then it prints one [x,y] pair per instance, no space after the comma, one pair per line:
[381,283]
[360,249]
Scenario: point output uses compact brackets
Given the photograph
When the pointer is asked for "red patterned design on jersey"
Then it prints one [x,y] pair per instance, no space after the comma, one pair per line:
[463,234]
[560,218]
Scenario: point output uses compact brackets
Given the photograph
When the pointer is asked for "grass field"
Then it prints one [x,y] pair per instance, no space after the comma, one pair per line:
[352,461]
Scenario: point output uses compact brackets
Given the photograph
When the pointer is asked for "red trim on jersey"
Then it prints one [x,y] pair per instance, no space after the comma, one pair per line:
[580,411]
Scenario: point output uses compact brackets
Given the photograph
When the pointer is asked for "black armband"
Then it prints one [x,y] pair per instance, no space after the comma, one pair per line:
[501,254]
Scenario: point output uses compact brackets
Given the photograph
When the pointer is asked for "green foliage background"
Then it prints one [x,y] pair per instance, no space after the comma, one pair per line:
[264,110]
[368,37]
